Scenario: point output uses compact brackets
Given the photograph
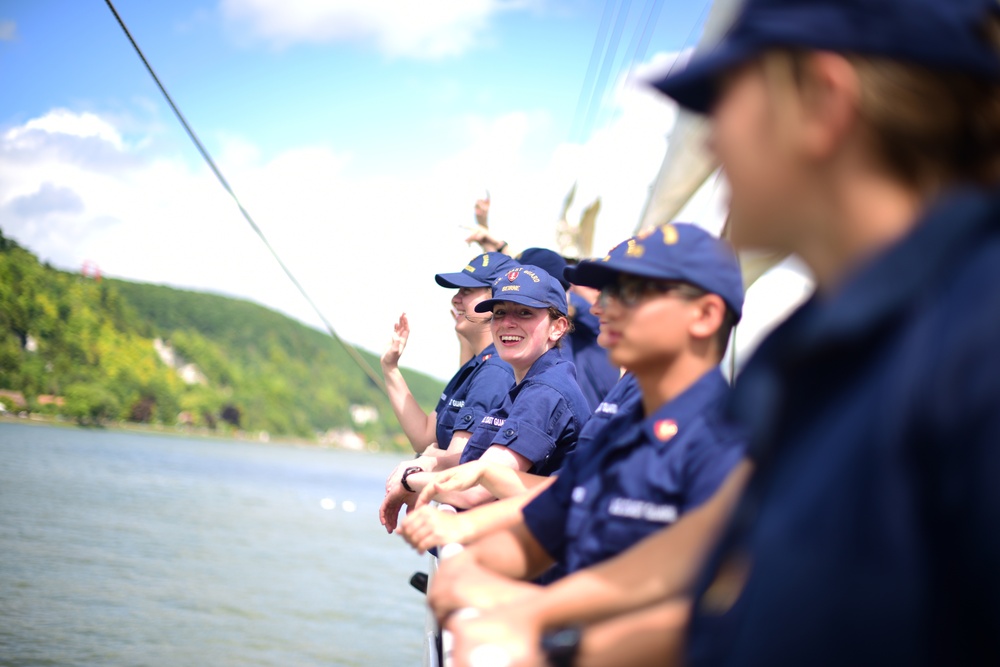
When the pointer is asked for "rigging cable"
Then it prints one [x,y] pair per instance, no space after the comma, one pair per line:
[602,77]
[588,78]
[355,356]
[637,46]
[700,21]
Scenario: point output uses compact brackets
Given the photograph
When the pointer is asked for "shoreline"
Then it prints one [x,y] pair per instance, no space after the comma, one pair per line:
[36,419]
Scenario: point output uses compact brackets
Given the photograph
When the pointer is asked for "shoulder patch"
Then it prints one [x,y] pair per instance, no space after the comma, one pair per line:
[665,429]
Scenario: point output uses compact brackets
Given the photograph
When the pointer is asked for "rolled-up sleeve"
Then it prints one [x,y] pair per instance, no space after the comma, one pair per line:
[487,390]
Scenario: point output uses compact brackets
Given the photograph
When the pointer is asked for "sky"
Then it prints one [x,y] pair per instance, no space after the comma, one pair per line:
[357,133]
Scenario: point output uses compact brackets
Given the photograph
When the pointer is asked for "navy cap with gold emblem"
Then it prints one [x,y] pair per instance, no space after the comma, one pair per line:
[949,35]
[675,251]
[529,286]
[481,271]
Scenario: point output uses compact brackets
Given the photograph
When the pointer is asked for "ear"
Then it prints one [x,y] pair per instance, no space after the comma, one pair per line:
[558,329]
[709,312]
[830,97]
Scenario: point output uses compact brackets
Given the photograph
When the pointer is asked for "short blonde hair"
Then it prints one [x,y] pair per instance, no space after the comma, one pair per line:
[930,128]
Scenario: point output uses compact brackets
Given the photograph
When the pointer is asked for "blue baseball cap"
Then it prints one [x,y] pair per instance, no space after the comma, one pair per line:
[527,285]
[675,251]
[481,271]
[939,34]
[550,260]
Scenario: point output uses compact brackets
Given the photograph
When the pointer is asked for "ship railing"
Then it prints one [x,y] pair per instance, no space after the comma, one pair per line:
[438,642]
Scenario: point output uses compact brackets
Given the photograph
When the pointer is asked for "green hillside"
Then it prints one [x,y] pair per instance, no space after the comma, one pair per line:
[91,343]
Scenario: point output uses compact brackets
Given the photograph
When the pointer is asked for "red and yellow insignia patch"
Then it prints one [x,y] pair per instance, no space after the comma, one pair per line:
[665,429]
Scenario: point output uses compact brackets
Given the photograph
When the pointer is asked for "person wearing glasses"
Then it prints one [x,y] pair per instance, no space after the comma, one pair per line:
[670,297]
[542,414]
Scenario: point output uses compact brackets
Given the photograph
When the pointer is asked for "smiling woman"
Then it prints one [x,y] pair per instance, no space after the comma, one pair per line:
[540,421]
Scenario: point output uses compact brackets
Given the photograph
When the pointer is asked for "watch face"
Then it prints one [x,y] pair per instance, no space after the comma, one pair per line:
[562,645]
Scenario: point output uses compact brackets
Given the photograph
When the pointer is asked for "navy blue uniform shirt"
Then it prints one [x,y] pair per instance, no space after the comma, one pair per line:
[594,371]
[479,387]
[640,476]
[869,533]
[623,399]
[540,419]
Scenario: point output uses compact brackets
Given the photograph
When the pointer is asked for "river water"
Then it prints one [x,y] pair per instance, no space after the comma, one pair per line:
[123,549]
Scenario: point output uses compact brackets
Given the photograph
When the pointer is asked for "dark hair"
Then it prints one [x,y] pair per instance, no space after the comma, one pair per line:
[554,315]
[722,334]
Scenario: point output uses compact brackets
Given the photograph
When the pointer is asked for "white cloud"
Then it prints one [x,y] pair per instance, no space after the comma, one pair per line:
[365,249]
[8,31]
[65,122]
[430,29]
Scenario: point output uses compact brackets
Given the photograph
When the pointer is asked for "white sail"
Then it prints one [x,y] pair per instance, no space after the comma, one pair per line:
[687,164]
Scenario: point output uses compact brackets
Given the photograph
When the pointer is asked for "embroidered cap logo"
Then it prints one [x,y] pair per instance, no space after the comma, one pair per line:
[670,235]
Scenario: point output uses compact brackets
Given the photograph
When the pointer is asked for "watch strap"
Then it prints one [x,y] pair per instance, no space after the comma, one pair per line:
[561,646]
[406,473]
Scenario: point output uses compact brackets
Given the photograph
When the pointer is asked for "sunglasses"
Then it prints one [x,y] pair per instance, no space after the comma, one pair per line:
[631,291]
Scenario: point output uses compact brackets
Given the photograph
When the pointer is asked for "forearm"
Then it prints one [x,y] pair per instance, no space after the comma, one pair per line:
[485,519]
[503,482]
[469,498]
[652,637]
[457,446]
[417,425]
[463,499]
[499,472]
[512,552]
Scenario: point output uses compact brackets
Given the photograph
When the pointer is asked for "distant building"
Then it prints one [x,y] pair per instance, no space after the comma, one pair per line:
[363,414]
[165,352]
[30,343]
[13,398]
[342,437]
[49,399]
[189,373]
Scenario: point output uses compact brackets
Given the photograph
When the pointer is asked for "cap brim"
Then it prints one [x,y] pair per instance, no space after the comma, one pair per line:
[569,274]
[594,274]
[600,273]
[458,280]
[486,306]
[696,86]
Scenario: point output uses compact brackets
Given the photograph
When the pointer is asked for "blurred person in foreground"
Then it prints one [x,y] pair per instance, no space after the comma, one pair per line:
[863,136]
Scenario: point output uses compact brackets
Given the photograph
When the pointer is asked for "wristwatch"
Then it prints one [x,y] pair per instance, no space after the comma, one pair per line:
[561,646]
[406,473]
